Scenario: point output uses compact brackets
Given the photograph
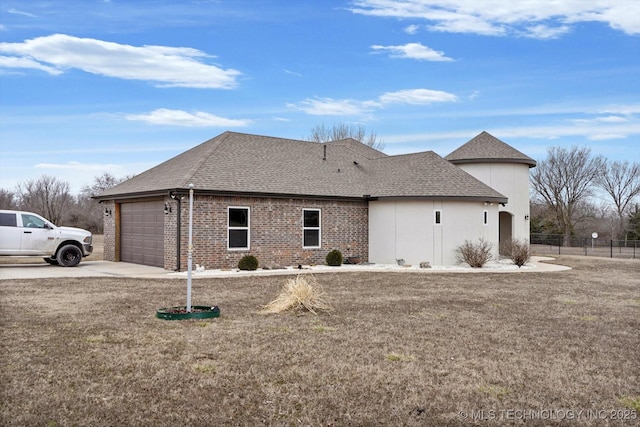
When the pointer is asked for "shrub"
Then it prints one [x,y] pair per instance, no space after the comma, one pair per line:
[248,262]
[300,294]
[474,254]
[518,251]
[334,258]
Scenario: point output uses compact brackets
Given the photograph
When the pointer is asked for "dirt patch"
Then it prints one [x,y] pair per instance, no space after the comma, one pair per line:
[397,349]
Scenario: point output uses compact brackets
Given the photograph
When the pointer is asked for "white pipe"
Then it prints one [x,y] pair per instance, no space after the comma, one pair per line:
[190,250]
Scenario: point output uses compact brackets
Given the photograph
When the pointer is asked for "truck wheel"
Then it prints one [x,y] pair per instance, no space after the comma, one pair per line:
[69,256]
[51,260]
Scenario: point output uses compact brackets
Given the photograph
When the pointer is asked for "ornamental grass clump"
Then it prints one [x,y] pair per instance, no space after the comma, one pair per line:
[299,295]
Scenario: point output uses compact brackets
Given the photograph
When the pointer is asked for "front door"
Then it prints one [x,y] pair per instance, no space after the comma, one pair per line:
[505,231]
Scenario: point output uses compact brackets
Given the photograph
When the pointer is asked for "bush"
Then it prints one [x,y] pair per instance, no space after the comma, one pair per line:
[334,258]
[519,252]
[300,294]
[248,262]
[474,254]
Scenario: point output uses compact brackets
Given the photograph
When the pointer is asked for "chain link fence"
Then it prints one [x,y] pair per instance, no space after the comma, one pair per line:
[553,244]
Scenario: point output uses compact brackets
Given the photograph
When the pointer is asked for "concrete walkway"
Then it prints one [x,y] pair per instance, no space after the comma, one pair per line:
[123,269]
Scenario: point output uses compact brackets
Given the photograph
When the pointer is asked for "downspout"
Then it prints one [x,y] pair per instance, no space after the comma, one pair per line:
[178,230]
[178,233]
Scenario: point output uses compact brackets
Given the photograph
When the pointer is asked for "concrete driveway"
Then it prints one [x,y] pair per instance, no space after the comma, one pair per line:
[84,269]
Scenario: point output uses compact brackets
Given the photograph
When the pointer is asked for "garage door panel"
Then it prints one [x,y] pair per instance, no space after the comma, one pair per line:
[142,233]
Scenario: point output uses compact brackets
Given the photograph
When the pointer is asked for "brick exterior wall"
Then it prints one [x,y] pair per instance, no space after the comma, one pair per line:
[275,231]
[109,230]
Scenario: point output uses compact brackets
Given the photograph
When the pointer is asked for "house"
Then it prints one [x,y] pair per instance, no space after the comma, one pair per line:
[290,202]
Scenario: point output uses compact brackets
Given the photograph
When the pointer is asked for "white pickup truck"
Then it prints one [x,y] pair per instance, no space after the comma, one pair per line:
[29,234]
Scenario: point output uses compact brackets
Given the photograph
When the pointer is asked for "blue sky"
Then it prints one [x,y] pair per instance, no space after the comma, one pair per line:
[93,86]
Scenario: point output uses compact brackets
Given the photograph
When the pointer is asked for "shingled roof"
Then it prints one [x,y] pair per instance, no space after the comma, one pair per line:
[237,163]
[487,148]
[426,174]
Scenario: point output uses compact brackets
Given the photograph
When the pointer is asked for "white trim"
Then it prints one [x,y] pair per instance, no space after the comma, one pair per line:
[319,228]
[248,228]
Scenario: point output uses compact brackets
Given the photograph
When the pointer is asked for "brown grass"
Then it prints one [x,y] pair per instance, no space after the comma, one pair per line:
[397,349]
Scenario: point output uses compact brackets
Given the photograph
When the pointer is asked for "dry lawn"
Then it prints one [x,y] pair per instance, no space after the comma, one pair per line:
[397,349]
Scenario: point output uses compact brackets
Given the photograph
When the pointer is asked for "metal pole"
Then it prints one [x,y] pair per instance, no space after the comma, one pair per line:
[190,250]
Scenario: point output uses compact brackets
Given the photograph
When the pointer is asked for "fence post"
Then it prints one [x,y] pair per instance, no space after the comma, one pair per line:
[611,247]
[584,245]
[559,244]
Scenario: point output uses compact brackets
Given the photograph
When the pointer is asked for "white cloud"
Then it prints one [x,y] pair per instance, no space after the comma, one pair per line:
[19,12]
[605,136]
[163,116]
[352,107]
[165,66]
[413,51]
[24,62]
[293,73]
[79,167]
[332,107]
[588,130]
[411,29]
[542,32]
[622,109]
[612,119]
[533,18]
[417,97]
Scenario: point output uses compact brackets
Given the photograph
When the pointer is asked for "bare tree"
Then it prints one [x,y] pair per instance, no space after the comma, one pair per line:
[8,199]
[46,196]
[621,181]
[339,131]
[564,180]
[89,215]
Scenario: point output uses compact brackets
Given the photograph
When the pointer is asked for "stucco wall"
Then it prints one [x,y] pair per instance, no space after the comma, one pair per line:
[406,229]
[512,180]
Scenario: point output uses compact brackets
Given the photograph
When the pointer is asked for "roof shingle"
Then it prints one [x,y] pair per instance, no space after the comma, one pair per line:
[487,148]
[251,164]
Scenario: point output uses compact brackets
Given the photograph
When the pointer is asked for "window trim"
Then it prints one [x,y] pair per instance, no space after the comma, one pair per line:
[248,228]
[319,228]
[437,217]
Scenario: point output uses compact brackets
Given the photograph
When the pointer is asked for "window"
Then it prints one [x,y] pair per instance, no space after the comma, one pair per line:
[485,217]
[311,228]
[438,217]
[32,221]
[238,230]
[8,220]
